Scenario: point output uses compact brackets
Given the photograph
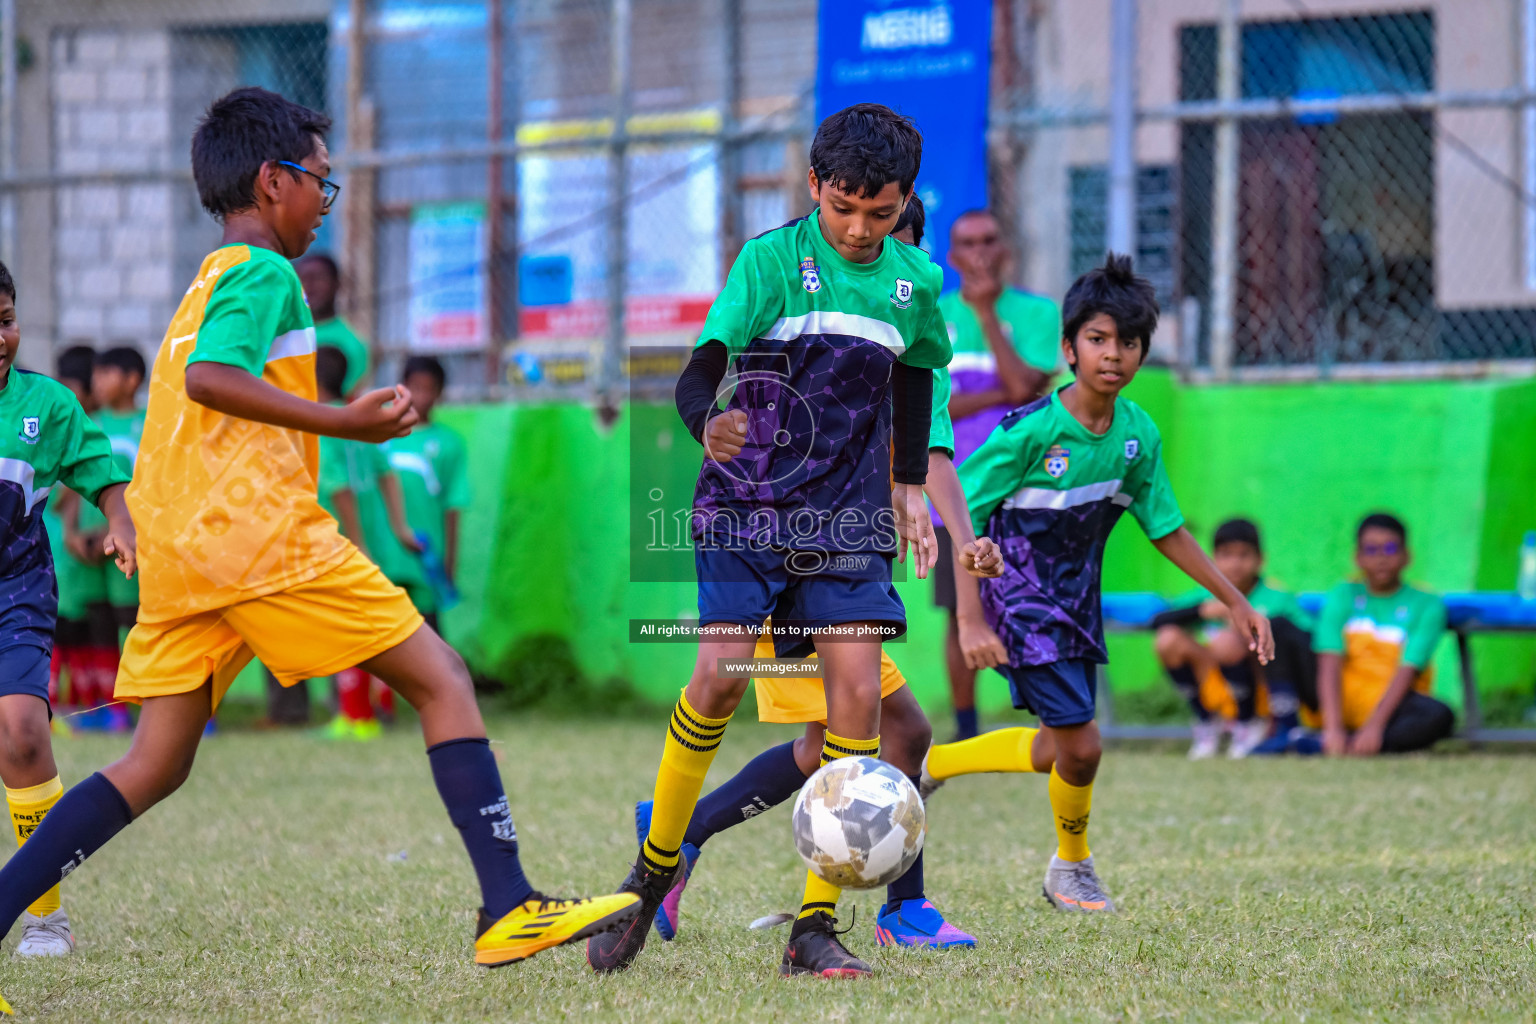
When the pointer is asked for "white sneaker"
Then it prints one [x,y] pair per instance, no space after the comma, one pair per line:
[928,783]
[1206,740]
[1246,736]
[45,936]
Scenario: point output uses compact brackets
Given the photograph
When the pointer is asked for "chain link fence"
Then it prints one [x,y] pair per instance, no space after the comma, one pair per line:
[547,193]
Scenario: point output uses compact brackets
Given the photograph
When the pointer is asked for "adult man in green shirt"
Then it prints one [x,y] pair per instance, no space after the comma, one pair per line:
[430,465]
[321,279]
[1007,345]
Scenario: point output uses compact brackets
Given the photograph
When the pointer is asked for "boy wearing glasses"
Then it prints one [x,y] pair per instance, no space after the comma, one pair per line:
[1374,642]
[237,557]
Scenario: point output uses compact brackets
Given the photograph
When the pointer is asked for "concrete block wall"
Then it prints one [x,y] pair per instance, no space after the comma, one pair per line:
[114,280]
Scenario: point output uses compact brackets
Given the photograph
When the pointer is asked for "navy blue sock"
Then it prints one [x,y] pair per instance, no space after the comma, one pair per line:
[966,723]
[1184,681]
[910,885]
[467,780]
[1284,705]
[766,781]
[76,827]
[1240,681]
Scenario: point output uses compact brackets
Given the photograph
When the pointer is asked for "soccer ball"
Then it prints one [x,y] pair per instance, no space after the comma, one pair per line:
[859,823]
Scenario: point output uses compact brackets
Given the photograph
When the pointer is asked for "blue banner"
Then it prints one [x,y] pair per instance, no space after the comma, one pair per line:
[931,62]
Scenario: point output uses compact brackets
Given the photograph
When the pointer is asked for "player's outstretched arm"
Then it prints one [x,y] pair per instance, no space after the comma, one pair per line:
[122,540]
[979,557]
[1181,548]
[394,508]
[375,416]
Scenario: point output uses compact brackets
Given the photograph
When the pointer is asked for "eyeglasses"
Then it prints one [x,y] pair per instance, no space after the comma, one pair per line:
[1391,547]
[328,188]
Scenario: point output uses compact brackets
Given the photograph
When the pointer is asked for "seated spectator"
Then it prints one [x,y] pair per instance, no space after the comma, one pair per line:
[1211,665]
[1374,642]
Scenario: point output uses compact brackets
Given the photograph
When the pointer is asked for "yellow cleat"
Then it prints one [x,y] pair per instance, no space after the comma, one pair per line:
[5,1008]
[542,922]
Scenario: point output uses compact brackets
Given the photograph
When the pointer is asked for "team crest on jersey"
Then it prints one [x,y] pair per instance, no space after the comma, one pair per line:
[1056,460]
[901,294]
[810,277]
[30,429]
[1132,449]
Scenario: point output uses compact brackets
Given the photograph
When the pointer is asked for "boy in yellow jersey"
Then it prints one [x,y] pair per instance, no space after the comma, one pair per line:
[238,558]
[1374,642]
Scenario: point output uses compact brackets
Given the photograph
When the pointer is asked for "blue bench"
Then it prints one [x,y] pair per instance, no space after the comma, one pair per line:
[1481,612]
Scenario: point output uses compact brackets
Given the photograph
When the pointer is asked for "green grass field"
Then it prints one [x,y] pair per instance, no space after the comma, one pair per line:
[294,880]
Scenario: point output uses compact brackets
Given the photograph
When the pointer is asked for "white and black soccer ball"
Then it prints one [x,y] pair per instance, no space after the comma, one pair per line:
[859,823]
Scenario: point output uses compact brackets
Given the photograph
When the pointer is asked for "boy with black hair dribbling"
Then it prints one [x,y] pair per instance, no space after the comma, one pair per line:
[1048,485]
[238,558]
[834,332]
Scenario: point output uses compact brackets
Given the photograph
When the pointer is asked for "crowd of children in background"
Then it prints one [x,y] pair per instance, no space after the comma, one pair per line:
[399,503]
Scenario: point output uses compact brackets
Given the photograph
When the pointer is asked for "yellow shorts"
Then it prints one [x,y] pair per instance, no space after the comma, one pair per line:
[1216,697]
[339,619]
[795,701]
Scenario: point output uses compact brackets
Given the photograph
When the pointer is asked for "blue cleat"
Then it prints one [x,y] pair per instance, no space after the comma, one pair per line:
[918,923]
[668,920]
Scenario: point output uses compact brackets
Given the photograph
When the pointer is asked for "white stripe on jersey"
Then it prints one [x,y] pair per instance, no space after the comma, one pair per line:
[22,474]
[849,325]
[299,342]
[1045,498]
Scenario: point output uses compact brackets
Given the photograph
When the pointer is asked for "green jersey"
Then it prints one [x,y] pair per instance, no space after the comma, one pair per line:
[337,333]
[123,430]
[1376,634]
[45,439]
[1048,491]
[356,466]
[430,463]
[813,338]
[941,432]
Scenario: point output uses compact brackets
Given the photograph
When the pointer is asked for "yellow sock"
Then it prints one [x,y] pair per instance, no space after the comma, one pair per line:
[834,747]
[692,741]
[1004,750]
[822,895]
[28,807]
[1069,805]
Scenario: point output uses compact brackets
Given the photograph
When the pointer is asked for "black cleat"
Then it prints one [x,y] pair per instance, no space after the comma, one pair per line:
[814,948]
[615,950]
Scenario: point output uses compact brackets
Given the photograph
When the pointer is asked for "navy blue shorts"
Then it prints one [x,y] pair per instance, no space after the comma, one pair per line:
[24,669]
[808,589]
[1060,694]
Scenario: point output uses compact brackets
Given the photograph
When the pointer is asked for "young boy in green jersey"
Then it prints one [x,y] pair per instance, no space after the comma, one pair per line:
[321,278]
[46,440]
[430,465]
[116,377]
[1375,640]
[240,561]
[358,488]
[1048,485]
[834,331]
[908,917]
[1210,664]
[71,637]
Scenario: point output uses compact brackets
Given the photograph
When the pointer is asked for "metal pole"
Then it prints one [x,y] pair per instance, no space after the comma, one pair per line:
[732,228]
[8,128]
[1528,133]
[363,297]
[1224,202]
[1120,219]
[495,332]
[609,371]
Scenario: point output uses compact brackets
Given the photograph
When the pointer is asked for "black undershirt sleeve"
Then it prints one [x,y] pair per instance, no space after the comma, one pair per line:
[699,385]
[912,397]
